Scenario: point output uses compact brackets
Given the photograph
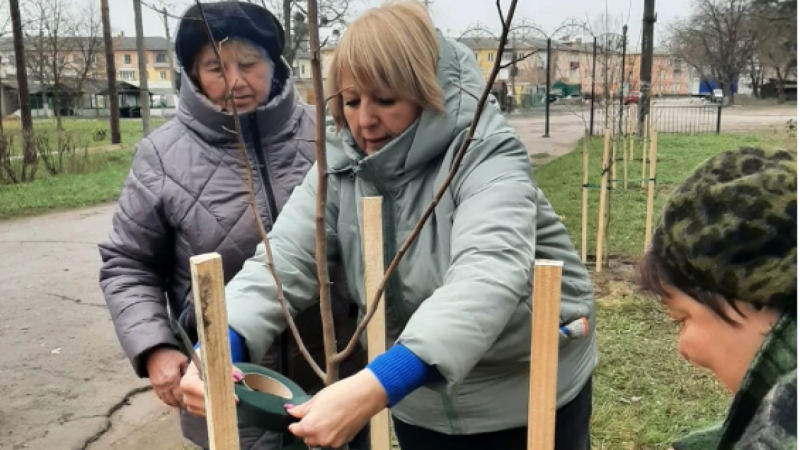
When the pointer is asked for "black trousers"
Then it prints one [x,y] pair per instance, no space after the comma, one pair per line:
[572,432]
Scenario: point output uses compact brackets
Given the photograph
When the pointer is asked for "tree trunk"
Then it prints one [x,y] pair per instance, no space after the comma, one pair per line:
[754,77]
[57,108]
[56,94]
[144,92]
[111,74]
[727,92]
[28,151]
[781,86]
[171,62]
[289,47]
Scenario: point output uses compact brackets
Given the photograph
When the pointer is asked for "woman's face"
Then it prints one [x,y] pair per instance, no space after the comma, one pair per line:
[707,341]
[248,72]
[375,119]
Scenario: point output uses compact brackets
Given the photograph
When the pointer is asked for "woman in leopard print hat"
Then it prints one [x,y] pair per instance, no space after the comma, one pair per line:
[723,260]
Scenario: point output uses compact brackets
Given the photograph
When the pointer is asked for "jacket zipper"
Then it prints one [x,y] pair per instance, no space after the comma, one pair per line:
[272,205]
[392,291]
[272,212]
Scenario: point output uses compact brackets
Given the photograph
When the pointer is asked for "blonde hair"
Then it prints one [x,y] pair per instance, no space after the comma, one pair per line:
[391,50]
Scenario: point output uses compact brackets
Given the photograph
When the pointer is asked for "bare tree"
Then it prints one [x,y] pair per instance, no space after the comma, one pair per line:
[717,39]
[164,12]
[144,91]
[88,58]
[51,45]
[28,151]
[5,28]
[111,73]
[776,42]
[293,15]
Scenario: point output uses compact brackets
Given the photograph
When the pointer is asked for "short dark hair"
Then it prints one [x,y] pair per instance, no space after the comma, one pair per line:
[728,234]
[654,277]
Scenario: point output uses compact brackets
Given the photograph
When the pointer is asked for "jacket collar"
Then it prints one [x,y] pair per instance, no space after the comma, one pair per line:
[431,135]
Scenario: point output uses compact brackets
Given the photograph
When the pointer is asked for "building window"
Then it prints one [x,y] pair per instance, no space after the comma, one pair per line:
[162,75]
[161,58]
[128,75]
[490,57]
[127,58]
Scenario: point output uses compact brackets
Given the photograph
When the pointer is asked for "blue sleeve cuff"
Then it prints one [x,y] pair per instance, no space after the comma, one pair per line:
[401,372]
[238,348]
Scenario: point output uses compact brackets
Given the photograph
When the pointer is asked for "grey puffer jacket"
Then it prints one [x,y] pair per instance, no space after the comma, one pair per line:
[186,195]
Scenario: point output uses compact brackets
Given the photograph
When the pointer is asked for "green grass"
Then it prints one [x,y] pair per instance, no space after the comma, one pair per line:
[98,179]
[88,178]
[645,395]
[82,128]
[561,182]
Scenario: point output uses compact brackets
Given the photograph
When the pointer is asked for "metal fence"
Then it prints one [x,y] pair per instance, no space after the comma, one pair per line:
[665,118]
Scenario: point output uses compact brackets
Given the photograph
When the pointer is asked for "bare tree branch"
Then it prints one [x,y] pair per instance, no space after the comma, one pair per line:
[326,308]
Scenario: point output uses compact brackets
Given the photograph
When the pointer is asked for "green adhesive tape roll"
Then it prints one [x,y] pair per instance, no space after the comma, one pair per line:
[262,394]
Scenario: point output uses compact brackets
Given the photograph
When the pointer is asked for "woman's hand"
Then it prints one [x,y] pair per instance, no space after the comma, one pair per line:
[193,390]
[338,412]
[164,369]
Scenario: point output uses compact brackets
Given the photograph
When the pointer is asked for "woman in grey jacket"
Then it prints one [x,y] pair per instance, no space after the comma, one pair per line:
[186,195]
[459,304]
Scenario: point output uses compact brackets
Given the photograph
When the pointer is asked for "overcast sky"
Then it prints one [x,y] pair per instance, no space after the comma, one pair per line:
[455,16]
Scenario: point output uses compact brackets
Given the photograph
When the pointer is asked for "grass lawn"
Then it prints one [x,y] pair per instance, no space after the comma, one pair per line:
[99,179]
[645,395]
[82,129]
[90,178]
[678,154]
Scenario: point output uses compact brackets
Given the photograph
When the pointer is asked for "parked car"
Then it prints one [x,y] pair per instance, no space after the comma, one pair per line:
[633,97]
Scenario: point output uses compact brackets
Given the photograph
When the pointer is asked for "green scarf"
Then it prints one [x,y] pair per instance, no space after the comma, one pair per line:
[764,409]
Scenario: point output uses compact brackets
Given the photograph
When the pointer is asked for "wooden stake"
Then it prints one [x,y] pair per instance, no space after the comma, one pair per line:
[208,288]
[645,136]
[585,196]
[624,164]
[544,354]
[651,189]
[614,161]
[634,115]
[372,241]
[601,223]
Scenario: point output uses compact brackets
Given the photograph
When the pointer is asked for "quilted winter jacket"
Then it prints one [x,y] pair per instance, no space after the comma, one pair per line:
[186,195]
[461,297]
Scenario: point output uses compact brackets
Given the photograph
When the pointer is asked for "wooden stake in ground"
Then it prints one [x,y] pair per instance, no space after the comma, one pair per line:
[208,288]
[613,160]
[624,146]
[651,189]
[544,354]
[601,222]
[585,196]
[372,244]
[645,139]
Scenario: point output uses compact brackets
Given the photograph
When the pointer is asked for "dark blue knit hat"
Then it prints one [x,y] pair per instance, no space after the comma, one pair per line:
[231,19]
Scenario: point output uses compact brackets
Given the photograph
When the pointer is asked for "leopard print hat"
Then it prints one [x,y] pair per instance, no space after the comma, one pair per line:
[731,227]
